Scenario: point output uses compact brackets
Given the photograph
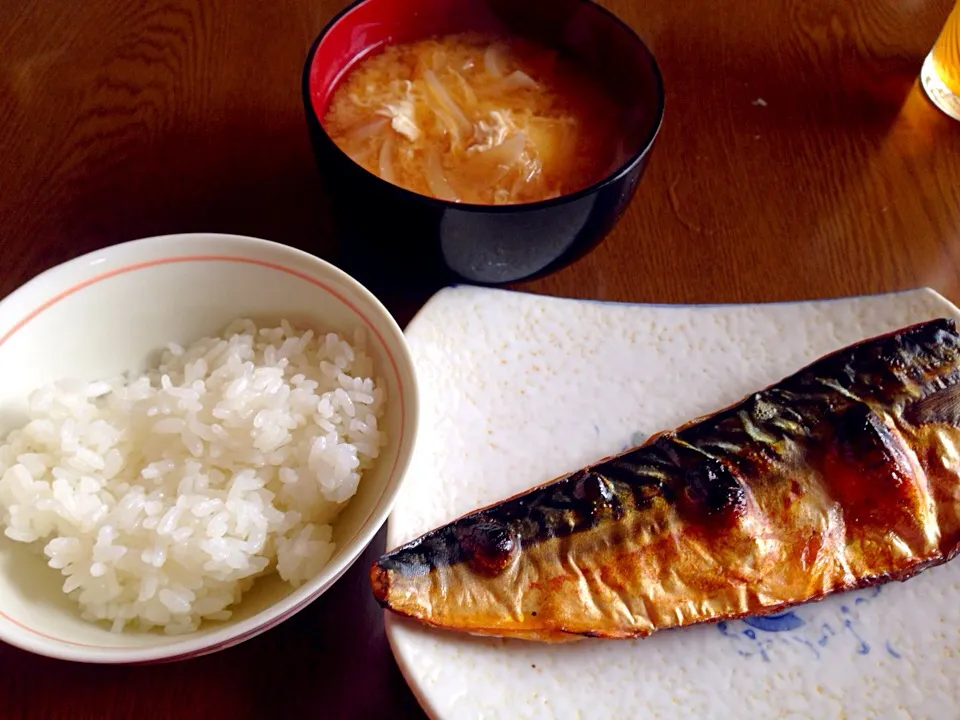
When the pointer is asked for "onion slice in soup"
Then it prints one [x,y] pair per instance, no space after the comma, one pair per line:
[517,80]
[440,94]
[493,60]
[507,153]
[437,180]
[386,160]
[368,129]
[468,93]
[488,168]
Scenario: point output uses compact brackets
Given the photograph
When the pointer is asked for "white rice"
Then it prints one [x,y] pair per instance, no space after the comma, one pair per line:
[161,497]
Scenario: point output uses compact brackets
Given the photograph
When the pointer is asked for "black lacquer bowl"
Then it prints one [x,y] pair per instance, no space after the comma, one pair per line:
[387,232]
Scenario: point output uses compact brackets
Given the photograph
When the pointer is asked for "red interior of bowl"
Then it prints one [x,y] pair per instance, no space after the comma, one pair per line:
[579,27]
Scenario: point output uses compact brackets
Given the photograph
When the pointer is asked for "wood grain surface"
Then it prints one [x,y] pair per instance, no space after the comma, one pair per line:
[798,159]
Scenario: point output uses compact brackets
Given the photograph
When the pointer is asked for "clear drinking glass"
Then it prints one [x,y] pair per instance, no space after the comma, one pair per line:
[940,75]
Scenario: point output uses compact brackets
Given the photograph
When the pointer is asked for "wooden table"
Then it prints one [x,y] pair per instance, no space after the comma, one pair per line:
[798,159]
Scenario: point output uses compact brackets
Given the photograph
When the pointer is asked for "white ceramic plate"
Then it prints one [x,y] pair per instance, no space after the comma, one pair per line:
[517,389]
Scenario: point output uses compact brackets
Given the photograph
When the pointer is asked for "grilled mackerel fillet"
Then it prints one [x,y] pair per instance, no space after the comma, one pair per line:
[843,475]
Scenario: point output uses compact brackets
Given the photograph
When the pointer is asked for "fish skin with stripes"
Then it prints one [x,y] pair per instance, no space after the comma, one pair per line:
[844,475]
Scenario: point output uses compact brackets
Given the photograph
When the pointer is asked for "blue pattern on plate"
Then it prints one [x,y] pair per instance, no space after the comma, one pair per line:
[781,622]
[809,629]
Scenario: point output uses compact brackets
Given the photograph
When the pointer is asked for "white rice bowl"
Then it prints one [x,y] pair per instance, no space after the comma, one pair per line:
[162,497]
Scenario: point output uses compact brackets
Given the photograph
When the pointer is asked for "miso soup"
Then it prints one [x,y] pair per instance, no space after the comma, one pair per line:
[477,119]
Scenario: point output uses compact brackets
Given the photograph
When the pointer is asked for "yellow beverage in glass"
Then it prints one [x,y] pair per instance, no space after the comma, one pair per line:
[941,71]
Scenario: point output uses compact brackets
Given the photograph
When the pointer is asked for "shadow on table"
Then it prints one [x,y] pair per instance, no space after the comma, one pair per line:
[334,654]
[243,175]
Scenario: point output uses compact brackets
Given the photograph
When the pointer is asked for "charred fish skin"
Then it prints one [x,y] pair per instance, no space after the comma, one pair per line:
[842,475]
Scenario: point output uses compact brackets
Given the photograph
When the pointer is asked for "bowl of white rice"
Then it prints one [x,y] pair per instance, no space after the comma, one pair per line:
[199,434]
